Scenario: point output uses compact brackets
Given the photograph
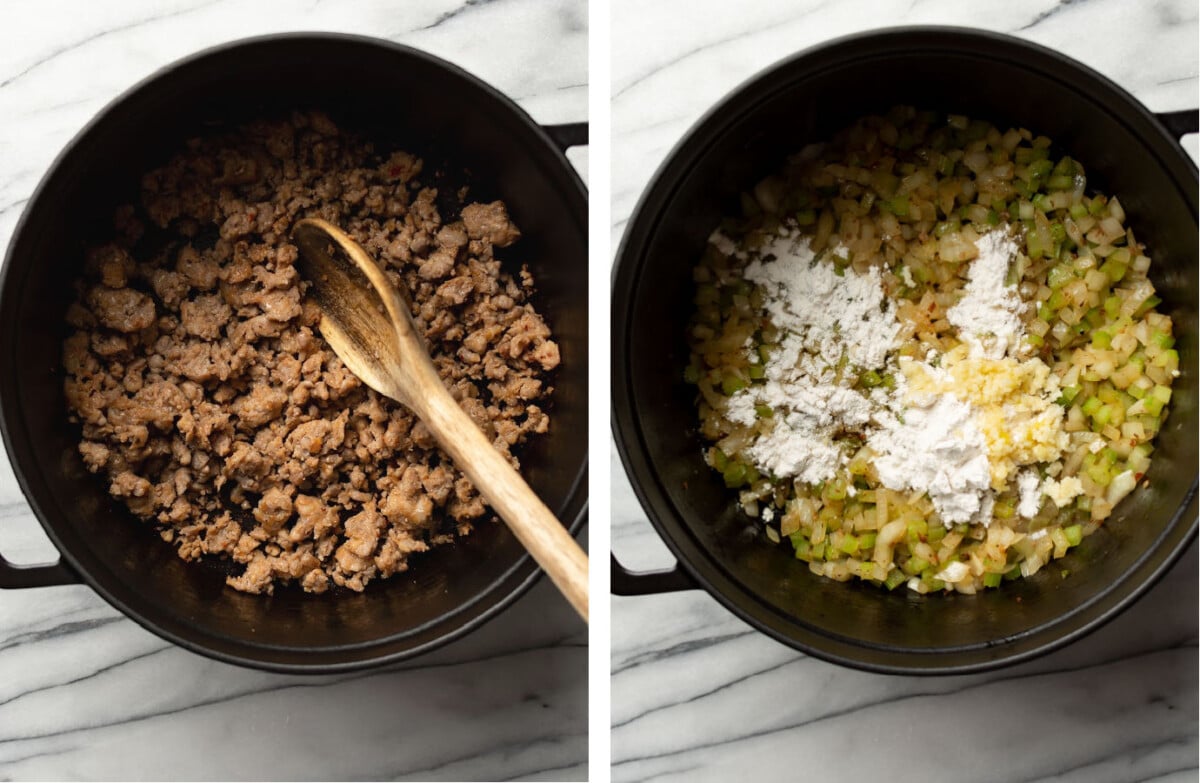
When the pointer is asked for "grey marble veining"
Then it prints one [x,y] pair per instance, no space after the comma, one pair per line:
[87,694]
[697,694]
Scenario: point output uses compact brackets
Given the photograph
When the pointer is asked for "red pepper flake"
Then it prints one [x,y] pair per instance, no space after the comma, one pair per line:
[394,171]
[1138,476]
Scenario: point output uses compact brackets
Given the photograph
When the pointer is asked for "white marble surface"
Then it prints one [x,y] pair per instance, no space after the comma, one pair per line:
[698,695]
[86,693]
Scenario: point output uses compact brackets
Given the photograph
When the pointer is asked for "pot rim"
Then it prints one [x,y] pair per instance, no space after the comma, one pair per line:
[576,497]
[672,525]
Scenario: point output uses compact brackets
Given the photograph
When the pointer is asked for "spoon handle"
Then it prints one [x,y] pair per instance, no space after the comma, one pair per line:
[509,496]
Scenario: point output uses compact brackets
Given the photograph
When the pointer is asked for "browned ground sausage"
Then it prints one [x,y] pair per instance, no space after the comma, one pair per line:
[214,408]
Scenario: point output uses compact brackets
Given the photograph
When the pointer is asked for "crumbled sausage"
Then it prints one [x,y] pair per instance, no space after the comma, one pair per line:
[204,316]
[121,309]
[212,406]
[490,222]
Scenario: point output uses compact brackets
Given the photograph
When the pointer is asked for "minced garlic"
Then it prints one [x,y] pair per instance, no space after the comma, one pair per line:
[1014,403]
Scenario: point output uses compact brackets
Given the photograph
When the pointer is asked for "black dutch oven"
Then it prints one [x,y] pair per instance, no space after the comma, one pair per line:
[1127,151]
[400,97]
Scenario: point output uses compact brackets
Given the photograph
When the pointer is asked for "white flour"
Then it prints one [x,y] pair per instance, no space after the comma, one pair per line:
[937,449]
[824,315]
[1029,486]
[988,316]
[925,442]
[832,313]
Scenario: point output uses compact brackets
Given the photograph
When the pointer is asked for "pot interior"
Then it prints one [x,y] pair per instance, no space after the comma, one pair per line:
[401,100]
[747,137]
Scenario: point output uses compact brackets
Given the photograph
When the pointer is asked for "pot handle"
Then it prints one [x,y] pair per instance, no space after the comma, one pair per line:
[571,134]
[670,580]
[1180,123]
[14,577]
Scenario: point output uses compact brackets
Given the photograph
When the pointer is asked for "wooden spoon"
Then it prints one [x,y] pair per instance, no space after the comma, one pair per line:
[369,327]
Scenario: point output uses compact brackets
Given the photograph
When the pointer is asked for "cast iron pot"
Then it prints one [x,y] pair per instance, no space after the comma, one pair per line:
[402,98]
[1127,151]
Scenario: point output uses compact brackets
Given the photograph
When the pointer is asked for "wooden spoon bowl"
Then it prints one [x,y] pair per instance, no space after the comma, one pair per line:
[369,327]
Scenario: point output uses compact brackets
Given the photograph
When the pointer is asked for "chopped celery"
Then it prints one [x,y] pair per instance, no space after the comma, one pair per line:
[871,379]
[897,206]
[1039,169]
[691,374]
[1035,246]
[1114,269]
[1059,275]
[1060,182]
[763,411]
[1157,399]
[836,489]
[849,544]
[731,384]
[931,582]
[1058,232]
[1066,165]
[756,372]
[1147,306]
[992,580]
[806,217]
[1074,534]
[1168,358]
[734,474]
[1098,472]
[1162,339]
[719,460]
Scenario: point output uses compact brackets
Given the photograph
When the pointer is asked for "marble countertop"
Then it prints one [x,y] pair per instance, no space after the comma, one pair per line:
[87,694]
[697,694]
